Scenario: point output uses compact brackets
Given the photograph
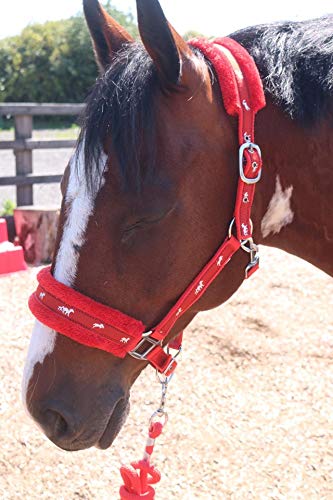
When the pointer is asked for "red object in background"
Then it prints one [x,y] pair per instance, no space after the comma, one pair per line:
[3,231]
[11,256]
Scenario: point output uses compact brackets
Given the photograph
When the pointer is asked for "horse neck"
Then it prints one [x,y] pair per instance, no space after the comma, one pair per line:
[293,207]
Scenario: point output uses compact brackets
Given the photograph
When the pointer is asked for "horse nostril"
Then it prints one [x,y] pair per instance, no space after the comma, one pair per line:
[58,425]
[55,424]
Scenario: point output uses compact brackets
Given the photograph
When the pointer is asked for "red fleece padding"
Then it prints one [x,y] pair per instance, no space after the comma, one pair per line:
[74,331]
[250,71]
[104,313]
[86,312]
[226,75]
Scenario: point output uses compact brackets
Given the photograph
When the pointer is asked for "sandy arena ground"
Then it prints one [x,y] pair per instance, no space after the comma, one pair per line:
[250,410]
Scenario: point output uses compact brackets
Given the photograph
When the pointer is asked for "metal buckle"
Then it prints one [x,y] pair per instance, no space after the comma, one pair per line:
[251,146]
[152,344]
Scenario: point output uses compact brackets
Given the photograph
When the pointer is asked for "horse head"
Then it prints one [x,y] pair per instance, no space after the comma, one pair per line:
[147,198]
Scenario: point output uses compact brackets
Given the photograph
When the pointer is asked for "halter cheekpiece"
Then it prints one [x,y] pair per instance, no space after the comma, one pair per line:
[93,324]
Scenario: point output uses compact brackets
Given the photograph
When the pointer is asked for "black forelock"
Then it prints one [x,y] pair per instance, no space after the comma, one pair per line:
[120,109]
[295,60]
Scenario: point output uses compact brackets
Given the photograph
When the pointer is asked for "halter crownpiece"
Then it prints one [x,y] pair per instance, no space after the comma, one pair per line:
[88,322]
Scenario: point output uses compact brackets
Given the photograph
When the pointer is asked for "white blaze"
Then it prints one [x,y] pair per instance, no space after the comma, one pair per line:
[41,344]
[80,205]
[279,213]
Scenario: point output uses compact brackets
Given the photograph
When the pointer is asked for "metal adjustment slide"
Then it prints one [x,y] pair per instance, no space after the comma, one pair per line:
[142,354]
[148,344]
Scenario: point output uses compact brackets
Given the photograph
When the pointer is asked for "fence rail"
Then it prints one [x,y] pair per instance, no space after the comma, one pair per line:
[23,145]
[29,144]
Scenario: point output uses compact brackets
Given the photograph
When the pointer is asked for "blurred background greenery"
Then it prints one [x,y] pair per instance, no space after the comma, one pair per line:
[52,62]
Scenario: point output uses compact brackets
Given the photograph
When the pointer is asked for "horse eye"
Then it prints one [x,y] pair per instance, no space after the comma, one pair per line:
[139,224]
[129,231]
[143,223]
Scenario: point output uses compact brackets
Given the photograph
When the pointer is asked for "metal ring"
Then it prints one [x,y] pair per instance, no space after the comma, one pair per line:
[231,225]
[160,414]
[252,246]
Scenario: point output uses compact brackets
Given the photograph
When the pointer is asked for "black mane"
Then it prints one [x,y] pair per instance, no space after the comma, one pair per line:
[295,61]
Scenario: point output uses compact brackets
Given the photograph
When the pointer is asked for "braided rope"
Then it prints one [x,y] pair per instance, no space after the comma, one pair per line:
[139,476]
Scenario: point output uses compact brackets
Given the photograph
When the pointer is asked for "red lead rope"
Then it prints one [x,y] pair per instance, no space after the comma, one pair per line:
[139,476]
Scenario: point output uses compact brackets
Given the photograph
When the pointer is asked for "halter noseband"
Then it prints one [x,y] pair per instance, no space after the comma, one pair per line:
[96,325]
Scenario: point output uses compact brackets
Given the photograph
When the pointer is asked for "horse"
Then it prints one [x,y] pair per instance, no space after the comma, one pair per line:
[149,195]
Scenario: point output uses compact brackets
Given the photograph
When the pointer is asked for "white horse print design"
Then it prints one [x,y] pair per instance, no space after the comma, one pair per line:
[199,287]
[245,229]
[180,310]
[124,340]
[65,310]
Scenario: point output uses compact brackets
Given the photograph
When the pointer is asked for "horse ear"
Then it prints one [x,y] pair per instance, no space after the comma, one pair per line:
[164,45]
[107,35]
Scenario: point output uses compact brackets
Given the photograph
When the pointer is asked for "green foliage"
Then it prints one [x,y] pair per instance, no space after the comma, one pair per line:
[192,34]
[52,62]
[7,208]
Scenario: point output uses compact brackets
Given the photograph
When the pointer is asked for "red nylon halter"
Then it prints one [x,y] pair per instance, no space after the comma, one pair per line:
[93,324]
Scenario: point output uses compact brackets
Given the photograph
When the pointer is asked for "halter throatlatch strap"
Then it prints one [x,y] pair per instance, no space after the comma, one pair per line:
[93,324]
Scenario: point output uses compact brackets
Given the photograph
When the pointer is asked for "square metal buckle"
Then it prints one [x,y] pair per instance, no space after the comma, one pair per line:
[152,343]
[251,146]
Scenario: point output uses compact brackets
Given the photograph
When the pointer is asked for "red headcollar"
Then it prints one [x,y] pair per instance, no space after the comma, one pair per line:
[96,325]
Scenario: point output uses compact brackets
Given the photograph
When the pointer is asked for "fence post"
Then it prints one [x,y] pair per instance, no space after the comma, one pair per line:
[23,130]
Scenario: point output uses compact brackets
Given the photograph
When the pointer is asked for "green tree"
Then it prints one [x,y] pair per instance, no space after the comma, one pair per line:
[192,34]
[52,62]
